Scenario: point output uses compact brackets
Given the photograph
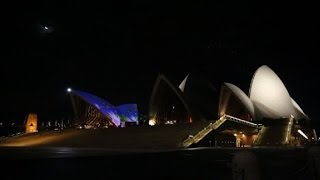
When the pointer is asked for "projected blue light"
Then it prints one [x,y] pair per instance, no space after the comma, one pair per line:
[92,99]
[128,112]
[122,113]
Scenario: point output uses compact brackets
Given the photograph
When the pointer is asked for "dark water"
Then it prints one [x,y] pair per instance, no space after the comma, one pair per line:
[189,164]
[134,166]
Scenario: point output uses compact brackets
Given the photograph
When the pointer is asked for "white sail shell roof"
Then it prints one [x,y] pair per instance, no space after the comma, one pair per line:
[183,83]
[270,96]
[242,97]
[299,112]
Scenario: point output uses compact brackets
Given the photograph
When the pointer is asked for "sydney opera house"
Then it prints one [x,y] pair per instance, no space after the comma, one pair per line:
[199,114]
[266,116]
[94,112]
[193,113]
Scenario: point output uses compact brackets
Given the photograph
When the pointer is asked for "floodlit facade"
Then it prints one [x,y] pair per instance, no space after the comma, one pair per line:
[271,98]
[268,104]
[268,98]
[266,116]
[94,112]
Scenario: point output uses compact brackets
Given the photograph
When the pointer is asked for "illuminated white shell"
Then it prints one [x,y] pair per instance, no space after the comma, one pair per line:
[183,83]
[299,112]
[242,97]
[270,96]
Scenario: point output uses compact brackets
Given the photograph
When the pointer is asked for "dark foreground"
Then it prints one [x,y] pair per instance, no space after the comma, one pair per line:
[199,163]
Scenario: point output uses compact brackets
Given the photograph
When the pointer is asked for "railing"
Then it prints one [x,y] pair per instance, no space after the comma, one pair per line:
[241,121]
[213,126]
[201,134]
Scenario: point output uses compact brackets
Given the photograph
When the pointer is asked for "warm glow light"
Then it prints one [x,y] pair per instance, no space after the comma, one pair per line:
[302,134]
[235,135]
[243,135]
[69,89]
[152,122]
[31,125]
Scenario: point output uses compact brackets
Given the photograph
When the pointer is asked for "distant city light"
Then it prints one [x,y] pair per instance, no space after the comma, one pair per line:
[69,89]
[302,134]
[46,28]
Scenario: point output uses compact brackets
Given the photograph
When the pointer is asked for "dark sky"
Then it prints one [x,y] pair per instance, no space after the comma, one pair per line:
[116,50]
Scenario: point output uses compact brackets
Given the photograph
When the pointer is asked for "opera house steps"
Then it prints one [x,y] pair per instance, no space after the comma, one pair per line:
[160,137]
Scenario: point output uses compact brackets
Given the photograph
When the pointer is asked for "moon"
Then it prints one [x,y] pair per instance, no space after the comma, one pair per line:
[45,29]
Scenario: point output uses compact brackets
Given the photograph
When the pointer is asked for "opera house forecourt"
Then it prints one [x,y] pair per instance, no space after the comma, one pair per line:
[192,114]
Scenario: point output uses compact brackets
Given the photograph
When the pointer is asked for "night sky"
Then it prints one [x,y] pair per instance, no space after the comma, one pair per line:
[116,50]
